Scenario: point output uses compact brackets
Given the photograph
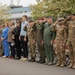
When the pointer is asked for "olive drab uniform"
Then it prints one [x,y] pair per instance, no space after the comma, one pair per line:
[31,38]
[49,36]
[39,39]
[71,43]
[61,39]
[1,47]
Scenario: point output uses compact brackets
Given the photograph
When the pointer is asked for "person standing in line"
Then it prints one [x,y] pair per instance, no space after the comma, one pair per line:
[1,47]
[23,38]
[10,40]
[49,37]
[4,38]
[71,41]
[30,28]
[40,40]
[15,37]
[61,39]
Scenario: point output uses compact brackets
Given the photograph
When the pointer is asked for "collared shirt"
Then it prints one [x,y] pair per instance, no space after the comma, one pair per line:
[23,33]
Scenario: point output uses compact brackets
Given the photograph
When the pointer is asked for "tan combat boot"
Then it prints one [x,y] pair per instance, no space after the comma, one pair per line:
[58,63]
[70,66]
[73,66]
[62,64]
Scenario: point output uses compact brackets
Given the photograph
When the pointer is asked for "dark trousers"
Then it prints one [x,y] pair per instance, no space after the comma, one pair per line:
[18,47]
[25,47]
[12,48]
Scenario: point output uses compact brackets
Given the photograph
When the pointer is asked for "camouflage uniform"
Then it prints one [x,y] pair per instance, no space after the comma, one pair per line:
[1,47]
[71,43]
[31,38]
[61,38]
[39,39]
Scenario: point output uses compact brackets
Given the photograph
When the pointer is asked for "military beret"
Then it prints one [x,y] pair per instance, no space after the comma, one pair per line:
[41,19]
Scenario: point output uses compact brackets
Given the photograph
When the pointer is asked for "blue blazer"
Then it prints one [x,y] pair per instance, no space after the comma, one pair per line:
[5,33]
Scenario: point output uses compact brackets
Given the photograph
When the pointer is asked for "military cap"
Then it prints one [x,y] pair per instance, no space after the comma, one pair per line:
[73,14]
[60,19]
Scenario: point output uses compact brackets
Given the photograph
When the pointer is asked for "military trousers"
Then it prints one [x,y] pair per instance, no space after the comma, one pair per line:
[32,48]
[60,52]
[1,48]
[41,50]
[71,45]
[49,53]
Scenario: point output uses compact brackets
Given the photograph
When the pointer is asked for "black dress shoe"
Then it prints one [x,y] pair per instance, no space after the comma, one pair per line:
[38,61]
[42,62]
[46,63]
[29,60]
[17,58]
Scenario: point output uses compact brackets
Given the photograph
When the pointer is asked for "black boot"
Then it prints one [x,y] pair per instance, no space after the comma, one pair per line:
[17,58]
[39,60]
[33,60]
[30,59]
[43,61]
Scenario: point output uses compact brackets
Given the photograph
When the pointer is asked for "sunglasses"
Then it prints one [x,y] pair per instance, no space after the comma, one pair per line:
[17,22]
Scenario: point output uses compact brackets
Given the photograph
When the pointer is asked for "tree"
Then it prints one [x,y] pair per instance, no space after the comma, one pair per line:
[3,13]
[62,7]
[52,8]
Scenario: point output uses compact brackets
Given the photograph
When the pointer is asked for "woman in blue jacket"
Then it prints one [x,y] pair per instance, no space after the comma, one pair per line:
[4,40]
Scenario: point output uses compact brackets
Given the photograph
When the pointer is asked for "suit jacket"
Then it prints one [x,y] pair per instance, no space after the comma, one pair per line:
[10,34]
[16,33]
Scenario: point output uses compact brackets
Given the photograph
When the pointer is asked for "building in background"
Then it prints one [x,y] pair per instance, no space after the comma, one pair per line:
[16,12]
[11,2]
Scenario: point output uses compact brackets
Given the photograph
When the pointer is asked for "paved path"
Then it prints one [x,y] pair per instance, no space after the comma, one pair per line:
[17,67]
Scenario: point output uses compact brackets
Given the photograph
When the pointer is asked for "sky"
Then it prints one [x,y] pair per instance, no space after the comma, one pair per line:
[21,2]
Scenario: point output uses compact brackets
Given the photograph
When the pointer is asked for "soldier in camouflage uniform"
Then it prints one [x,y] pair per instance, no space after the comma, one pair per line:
[31,39]
[61,39]
[49,37]
[39,39]
[71,41]
[1,47]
